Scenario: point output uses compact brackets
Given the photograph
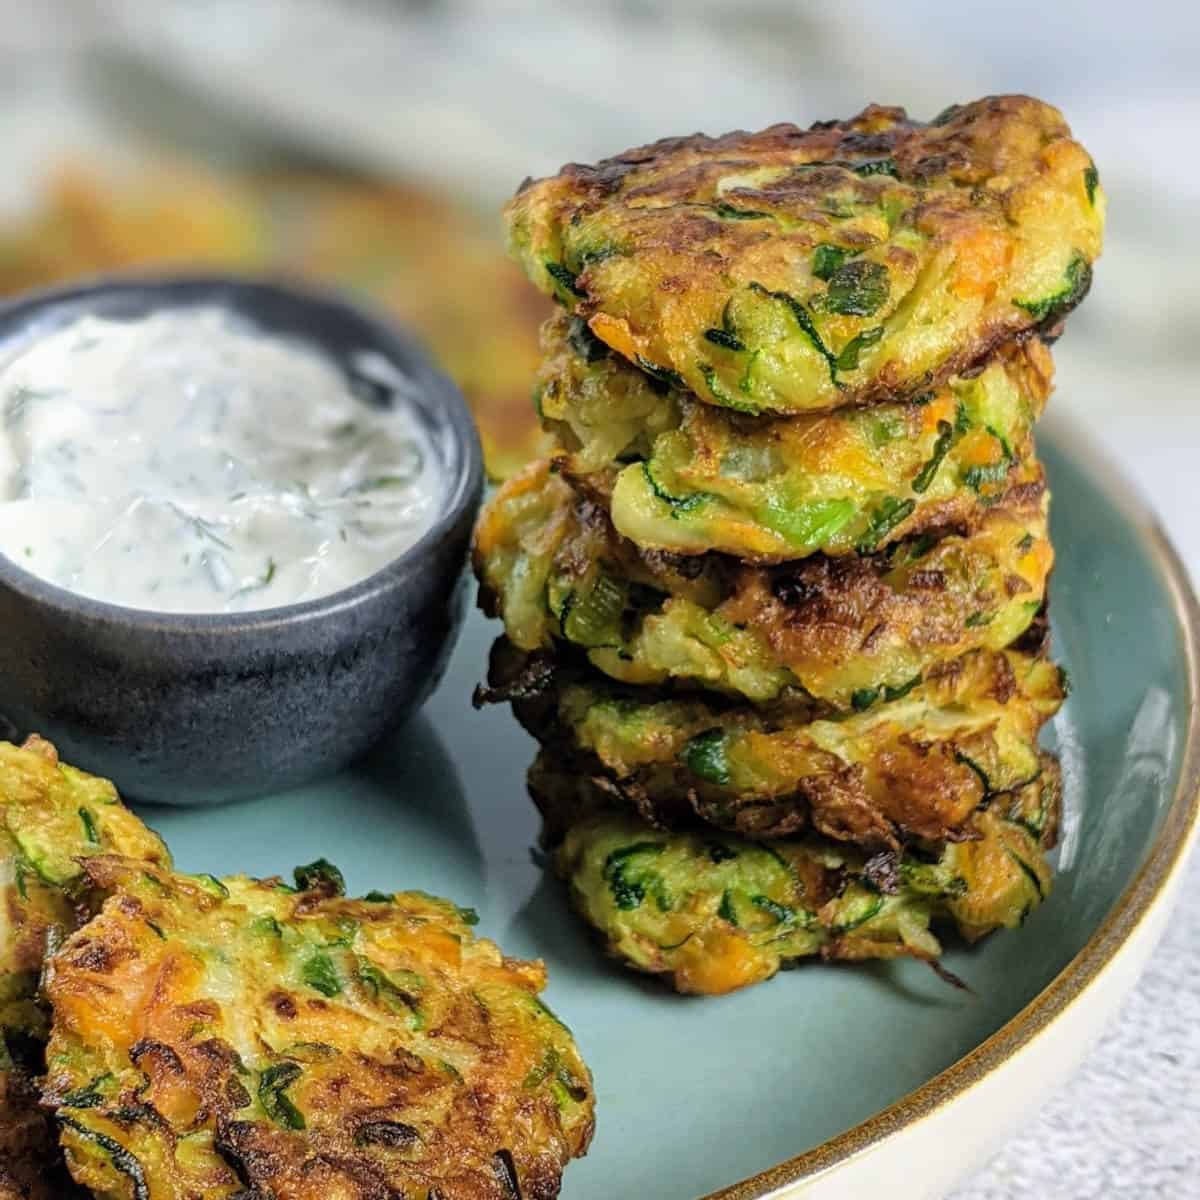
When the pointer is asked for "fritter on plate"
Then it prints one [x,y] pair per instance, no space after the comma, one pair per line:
[792,270]
[236,1038]
[915,764]
[30,1163]
[715,913]
[51,815]
[839,630]
[687,477]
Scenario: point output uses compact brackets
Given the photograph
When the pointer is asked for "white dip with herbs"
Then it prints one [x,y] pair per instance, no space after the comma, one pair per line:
[188,462]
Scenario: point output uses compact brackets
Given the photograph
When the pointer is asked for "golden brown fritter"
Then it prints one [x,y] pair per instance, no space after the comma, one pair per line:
[713,913]
[686,477]
[30,1162]
[915,763]
[221,1038]
[551,564]
[51,816]
[795,270]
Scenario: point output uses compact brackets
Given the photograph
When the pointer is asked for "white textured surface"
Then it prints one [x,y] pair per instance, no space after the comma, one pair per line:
[1128,1123]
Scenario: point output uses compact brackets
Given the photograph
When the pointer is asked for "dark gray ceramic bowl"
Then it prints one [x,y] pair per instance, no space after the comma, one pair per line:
[193,709]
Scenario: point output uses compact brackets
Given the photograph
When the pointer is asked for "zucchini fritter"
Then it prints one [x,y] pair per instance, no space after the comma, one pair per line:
[715,913]
[30,1163]
[51,815]
[238,1037]
[553,567]
[793,270]
[915,764]
[772,489]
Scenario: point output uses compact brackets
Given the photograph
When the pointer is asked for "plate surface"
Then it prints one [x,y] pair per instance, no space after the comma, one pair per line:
[695,1095]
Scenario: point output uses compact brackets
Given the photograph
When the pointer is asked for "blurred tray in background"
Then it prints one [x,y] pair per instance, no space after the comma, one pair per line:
[416,254]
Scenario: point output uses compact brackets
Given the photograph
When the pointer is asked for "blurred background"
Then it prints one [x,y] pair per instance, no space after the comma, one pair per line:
[370,143]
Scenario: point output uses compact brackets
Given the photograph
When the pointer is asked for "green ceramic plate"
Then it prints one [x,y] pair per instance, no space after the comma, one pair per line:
[697,1095]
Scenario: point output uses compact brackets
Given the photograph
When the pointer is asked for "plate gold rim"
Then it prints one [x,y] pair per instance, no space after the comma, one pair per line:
[1135,903]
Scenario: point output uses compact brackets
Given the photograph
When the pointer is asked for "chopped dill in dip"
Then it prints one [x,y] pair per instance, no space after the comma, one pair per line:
[188,462]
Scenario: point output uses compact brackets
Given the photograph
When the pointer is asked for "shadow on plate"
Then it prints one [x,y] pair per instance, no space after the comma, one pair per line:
[547,921]
[397,819]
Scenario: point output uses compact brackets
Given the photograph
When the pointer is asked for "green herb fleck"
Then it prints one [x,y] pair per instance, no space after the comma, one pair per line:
[978,477]
[746,383]
[781,912]
[627,893]
[1050,308]
[810,524]
[564,279]
[863,698]
[88,1096]
[211,884]
[884,430]
[1028,871]
[680,505]
[941,447]
[827,258]
[89,827]
[802,318]
[320,973]
[661,375]
[396,1135]
[594,620]
[847,359]
[398,991]
[858,288]
[704,756]
[866,908]
[718,852]
[728,213]
[891,512]
[724,339]
[375,483]
[980,773]
[719,394]
[726,910]
[877,166]
[272,1094]
[321,876]
[929,879]
[1091,181]
[901,689]
[978,619]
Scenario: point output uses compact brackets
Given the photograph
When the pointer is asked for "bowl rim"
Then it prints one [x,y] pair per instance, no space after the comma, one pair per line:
[460,498]
[1167,855]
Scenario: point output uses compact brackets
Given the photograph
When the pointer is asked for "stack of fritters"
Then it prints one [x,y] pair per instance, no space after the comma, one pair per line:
[775,610]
